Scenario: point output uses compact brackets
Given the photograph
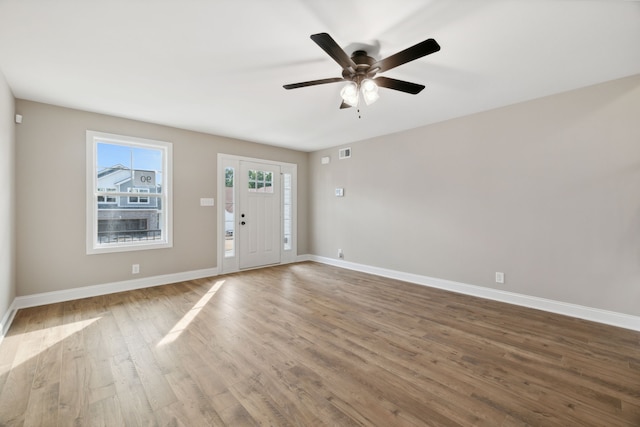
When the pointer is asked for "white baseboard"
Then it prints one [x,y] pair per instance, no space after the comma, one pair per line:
[109,288]
[587,313]
[6,321]
[96,290]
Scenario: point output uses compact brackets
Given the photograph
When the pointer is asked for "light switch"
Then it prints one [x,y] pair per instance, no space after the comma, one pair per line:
[207,201]
[339,192]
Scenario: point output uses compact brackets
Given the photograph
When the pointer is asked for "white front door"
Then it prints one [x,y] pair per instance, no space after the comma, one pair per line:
[258,217]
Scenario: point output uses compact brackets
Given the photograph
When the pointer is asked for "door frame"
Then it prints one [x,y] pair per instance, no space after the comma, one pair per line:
[231,264]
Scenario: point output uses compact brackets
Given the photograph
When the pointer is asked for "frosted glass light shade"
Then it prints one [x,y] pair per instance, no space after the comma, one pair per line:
[370,91]
[349,94]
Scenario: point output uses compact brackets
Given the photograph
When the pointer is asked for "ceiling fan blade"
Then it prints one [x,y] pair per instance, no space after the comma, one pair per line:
[313,83]
[401,85]
[344,105]
[330,46]
[414,52]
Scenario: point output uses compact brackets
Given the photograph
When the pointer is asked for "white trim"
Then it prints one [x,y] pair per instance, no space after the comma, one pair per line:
[612,318]
[97,290]
[109,288]
[593,314]
[6,321]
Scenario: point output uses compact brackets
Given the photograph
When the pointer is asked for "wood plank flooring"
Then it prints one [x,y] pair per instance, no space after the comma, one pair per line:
[312,345]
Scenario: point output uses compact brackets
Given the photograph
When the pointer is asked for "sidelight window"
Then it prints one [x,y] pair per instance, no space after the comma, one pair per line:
[229,213]
[287,211]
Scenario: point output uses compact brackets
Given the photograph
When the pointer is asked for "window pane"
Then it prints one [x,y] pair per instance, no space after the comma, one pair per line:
[260,182]
[287,203]
[228,178]
[229,214]
[106,198]
[127,225]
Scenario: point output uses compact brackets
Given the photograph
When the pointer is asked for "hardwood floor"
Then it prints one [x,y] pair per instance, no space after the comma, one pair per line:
[309,345]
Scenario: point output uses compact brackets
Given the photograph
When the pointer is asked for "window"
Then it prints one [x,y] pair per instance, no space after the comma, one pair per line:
[138,199]
[229,214]
[260,182]
[106,198]
[128,193]
[287,207]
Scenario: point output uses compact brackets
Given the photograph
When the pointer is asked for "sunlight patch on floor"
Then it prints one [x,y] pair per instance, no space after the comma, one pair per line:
[42,339]
[186,320]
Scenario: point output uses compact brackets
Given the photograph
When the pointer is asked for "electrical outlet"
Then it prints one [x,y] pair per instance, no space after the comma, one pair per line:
[340,254]
[135,268]
[499,277]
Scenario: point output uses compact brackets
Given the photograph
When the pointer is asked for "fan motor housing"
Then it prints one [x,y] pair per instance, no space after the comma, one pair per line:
[363,64]
[360,57]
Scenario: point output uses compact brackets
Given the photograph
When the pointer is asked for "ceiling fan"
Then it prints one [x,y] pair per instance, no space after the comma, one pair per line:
[360,70]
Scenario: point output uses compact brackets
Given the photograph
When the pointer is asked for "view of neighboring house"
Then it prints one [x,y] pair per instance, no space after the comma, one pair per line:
[132,217]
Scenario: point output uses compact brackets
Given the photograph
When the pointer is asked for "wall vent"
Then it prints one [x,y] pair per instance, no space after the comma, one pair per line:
[344,153]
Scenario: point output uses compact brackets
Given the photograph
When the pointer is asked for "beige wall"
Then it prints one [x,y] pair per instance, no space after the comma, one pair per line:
[546,191]
[51,199]
[7,199]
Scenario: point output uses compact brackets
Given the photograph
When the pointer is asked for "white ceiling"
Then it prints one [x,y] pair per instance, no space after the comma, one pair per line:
[218,66]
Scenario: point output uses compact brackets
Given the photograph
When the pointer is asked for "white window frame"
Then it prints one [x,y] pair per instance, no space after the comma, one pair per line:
[92,244]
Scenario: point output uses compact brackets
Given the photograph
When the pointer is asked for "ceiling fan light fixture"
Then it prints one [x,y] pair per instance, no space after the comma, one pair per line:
[370,97]
[369,85]
[360,68]
[349,94]
[370,91]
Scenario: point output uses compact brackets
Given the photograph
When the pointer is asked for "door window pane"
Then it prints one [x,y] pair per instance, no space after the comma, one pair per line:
[260,181]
